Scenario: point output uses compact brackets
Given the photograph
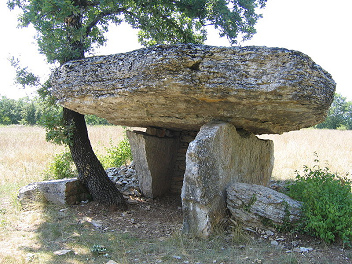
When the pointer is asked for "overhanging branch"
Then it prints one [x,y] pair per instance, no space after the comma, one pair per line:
[103,14]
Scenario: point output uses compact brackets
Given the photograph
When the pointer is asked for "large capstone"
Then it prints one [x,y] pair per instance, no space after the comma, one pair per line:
[182,87]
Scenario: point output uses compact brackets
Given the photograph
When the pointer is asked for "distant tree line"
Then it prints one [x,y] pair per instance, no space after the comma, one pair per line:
[34,111]
[26,111]
[339,115]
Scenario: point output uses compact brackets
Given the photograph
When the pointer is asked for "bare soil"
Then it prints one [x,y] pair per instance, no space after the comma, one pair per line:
[160,218]
[145,218]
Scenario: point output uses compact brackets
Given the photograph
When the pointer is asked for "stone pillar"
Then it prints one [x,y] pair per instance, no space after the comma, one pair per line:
[219,156]
[185,137]
[154,156]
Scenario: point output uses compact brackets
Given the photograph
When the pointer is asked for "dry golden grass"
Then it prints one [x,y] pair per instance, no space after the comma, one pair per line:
[295,149]
[24,153]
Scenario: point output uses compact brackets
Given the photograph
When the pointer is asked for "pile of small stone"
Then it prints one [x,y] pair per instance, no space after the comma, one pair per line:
[280,240]
[125,178]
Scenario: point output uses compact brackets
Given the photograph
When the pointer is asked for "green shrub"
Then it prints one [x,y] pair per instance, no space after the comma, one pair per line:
[327,204]
[62,167]
[117,155]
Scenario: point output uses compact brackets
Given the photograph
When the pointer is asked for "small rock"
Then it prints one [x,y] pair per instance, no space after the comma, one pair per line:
[30,257]
[269,233]
[274,243]
[62,252]
[111,262]
[97,223]
[302,249]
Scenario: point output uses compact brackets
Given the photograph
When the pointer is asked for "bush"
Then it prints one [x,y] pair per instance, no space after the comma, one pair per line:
[327,204]
[62,167]
[117,155]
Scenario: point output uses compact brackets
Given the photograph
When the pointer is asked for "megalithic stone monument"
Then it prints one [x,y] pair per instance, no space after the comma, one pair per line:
[228,94]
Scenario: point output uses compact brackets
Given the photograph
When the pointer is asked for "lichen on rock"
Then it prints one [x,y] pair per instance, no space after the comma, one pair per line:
[184,86]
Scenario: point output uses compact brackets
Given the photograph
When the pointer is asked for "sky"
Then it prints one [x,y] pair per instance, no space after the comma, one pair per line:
[318,28]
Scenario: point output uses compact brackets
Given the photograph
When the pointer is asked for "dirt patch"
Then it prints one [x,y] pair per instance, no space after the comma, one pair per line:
[145,218]
[160,218]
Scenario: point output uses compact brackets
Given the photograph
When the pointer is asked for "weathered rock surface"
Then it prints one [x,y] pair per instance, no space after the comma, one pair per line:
[65,191]
[182,87]
[154,158]
[219,156]
[258,206]
[126,179]
[71,191]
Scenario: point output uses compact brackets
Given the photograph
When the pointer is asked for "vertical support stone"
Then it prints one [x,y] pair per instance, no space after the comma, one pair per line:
[185,137]
[154,157]
[219,156]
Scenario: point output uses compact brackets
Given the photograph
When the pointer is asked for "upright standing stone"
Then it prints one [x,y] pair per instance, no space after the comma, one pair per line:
[219,156]
[154,158]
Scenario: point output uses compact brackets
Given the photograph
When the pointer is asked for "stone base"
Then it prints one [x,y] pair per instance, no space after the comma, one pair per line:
[220,155]
[154,156]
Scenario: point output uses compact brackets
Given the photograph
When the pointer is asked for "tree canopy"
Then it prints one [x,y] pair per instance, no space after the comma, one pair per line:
[61,23]
[339,115]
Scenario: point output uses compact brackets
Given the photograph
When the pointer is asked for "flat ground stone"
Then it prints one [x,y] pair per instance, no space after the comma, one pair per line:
[64,191]
[182,87]
[254,205]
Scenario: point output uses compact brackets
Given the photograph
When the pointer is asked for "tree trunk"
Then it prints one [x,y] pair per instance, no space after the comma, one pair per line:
[90,171]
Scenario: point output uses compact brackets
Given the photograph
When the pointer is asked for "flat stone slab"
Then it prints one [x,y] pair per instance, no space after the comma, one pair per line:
[64,191]
[254,205]
[182,87]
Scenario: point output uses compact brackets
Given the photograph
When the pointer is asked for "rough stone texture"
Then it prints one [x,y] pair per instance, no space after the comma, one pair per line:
[217,157]
[257,206]
[66,191]
[126,179]
[154,158]
[180,164]
[182,87]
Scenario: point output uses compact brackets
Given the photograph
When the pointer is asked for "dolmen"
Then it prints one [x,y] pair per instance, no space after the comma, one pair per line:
[201,107]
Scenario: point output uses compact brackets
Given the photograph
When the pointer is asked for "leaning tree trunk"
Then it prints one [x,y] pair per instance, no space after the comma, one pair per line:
[90,171]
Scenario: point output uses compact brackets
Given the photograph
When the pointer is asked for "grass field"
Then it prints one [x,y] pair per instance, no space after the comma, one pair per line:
[295,149]
[25,154]
[30,236]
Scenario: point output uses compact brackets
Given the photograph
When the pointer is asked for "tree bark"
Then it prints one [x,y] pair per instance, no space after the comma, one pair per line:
[90,171]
